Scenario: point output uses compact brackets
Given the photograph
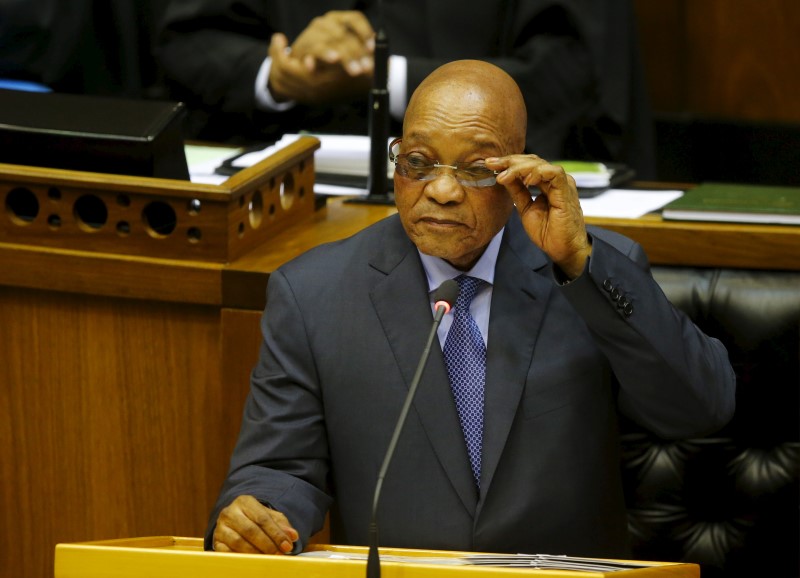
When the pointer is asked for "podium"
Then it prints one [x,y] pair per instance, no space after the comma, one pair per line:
[175,557]
[128,328]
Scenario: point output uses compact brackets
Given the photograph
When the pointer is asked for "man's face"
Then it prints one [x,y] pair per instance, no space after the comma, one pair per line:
[441,216]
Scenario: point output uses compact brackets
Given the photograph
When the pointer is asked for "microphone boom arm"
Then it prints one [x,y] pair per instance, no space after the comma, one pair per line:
[373,561]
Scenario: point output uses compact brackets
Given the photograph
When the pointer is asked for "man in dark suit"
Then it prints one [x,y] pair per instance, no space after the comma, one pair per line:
[258,69]
[575,332]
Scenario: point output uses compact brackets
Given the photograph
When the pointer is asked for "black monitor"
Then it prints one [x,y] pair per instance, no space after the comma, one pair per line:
[91,133]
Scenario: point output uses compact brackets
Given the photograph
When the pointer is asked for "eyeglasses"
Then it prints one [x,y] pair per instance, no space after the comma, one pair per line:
[418,167]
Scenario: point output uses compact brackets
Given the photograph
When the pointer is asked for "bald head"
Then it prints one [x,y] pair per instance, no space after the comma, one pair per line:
[474,88]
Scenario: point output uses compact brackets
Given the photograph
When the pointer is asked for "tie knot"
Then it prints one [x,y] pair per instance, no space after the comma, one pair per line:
[467,288]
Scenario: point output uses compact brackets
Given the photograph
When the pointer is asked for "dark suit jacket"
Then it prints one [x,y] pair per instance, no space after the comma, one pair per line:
[344,327]
[575,61]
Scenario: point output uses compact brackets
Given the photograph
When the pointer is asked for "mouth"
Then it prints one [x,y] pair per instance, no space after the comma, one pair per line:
[440,223]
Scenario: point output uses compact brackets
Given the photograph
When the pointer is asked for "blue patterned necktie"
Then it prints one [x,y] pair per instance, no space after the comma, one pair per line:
[465,356]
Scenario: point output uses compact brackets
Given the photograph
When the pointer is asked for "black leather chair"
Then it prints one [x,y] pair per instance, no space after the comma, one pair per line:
[729,501]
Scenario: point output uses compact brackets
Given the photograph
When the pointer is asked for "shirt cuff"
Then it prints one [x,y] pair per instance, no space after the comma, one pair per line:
[264,99]
[398,83]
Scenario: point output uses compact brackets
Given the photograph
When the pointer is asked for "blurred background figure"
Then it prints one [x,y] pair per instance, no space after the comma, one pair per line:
[251,70]
[81,46]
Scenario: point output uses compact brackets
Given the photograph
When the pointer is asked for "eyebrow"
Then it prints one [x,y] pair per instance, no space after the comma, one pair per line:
[476,144]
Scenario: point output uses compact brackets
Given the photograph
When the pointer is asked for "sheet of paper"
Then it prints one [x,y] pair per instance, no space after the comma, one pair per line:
[338,190]
[203,161]
[627,204]
[249,159]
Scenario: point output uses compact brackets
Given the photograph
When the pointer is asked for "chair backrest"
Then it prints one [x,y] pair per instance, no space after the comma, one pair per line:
[729,501]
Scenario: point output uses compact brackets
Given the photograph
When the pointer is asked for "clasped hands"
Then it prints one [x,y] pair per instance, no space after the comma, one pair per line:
[553,219]
[332,59]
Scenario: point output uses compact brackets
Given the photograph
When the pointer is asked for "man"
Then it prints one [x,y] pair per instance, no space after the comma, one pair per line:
[258,69]
[575,331]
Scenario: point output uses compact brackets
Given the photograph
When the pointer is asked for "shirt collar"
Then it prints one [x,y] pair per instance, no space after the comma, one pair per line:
[437,270]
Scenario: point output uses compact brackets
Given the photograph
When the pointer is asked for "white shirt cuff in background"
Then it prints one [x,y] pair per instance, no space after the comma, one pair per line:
[398,74]
[264,98]
[398,83]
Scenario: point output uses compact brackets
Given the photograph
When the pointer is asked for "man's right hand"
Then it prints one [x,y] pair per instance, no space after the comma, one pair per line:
[247,526]
[291,80]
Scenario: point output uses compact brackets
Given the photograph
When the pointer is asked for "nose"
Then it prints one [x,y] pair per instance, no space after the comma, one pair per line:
[445,188]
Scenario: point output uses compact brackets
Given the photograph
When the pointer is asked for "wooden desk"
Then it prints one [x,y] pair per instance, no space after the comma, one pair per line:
[174,557]
[122,378]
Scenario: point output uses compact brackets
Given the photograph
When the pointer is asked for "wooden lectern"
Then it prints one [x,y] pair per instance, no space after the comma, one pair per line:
[127,333]
[171,557]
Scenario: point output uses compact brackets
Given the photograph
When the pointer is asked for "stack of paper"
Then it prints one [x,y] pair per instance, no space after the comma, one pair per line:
[533,561]
[547,561]
[588,175]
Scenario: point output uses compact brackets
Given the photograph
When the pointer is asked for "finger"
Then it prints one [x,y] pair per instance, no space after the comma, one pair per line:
[274,526]
[357,24]
[221,547]
[512,180]
[278,45]
[340,37]
[227,539]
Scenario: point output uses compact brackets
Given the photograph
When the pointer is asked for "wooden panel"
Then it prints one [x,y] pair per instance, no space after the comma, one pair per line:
[160,218]
[110,275]
[722,59]
[744,58]
[241,337]
[662,37]
[110,419]
[698,244]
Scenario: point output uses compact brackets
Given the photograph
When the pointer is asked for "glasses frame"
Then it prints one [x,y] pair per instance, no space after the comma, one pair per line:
[436,167]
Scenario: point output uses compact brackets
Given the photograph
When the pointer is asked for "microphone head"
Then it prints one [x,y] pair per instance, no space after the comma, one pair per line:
[446,295]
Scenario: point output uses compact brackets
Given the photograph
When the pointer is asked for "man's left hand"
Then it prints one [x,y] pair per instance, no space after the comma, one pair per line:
[553,219]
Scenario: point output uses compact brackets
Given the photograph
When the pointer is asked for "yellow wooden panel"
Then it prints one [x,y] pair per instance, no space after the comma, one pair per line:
[171,557]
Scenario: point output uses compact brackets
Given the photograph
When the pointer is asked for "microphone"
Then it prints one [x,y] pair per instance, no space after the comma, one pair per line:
[444,298]
[377,180]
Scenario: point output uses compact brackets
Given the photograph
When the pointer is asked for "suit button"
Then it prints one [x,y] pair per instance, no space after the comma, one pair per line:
[623,302]
[628,310]
[607,285]
[615,294]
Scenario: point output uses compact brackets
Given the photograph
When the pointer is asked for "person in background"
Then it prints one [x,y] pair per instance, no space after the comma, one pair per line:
[512,442]
[252,70]
[99,47]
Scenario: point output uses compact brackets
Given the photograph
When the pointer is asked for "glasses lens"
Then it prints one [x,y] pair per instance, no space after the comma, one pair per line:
[420,168]
[476,176]
[415,167]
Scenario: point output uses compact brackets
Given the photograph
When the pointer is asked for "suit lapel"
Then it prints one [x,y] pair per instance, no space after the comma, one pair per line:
[519,300]
[402,305]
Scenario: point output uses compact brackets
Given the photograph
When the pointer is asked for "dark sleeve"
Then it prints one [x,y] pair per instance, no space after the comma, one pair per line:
[674,379]
[281,457]
[211,51]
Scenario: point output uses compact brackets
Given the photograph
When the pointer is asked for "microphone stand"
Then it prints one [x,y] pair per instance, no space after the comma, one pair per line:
[442,307]
[377,180]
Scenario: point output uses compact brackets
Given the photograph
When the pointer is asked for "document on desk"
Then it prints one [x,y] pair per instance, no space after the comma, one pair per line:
[533,561]
[341,164]
[627,204]
[204,160]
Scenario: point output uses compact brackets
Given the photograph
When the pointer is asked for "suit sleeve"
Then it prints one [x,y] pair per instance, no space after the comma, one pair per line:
[211,52]
[674,380]
[281,457]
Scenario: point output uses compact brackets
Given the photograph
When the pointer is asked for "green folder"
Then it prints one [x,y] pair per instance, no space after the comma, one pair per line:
[737,204]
